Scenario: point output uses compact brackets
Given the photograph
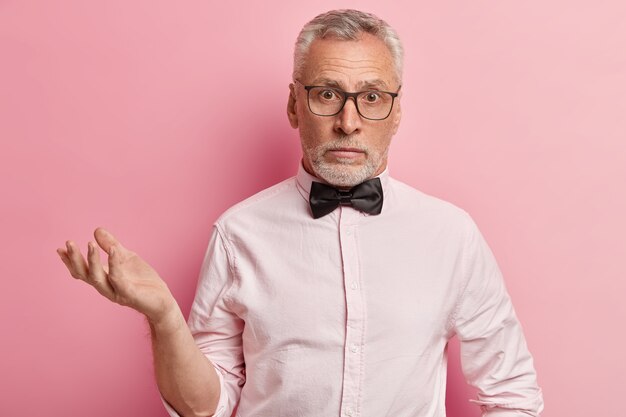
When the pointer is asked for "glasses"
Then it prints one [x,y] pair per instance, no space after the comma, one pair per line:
[329,101]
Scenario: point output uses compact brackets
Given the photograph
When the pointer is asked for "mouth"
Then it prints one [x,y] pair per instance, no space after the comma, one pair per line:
[346,152]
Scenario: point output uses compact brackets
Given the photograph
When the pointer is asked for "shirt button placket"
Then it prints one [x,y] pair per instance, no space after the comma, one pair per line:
[354,312]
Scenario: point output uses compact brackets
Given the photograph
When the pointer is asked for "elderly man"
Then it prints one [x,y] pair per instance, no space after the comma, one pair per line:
[335,292]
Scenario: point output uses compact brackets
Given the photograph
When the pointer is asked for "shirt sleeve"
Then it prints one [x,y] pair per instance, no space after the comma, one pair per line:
[494,355]
[215,328]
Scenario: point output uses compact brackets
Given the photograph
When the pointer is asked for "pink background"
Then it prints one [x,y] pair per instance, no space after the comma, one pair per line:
[152,117]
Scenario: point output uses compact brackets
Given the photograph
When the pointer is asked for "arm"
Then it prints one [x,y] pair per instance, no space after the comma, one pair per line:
[184,375]
[186,378]
[215,329]
[494,355]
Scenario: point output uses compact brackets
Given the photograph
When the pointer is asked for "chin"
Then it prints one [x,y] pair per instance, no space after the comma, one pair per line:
[343,175]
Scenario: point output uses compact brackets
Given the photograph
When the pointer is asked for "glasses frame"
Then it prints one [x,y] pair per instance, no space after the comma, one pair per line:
[346,96]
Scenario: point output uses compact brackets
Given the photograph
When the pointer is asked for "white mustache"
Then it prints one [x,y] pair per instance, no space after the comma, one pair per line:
[342,143]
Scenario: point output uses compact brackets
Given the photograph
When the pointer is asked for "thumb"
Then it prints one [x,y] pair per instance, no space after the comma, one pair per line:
[106,240]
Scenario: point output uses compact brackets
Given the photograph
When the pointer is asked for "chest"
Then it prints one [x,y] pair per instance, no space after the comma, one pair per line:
[309,285]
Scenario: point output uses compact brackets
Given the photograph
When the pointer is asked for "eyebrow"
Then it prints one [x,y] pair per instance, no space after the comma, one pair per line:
[367,84]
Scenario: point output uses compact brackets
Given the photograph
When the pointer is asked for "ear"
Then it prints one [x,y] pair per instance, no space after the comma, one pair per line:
[397,114]
[292,107]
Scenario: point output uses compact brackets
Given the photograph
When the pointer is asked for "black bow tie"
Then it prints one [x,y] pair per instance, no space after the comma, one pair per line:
[366,197]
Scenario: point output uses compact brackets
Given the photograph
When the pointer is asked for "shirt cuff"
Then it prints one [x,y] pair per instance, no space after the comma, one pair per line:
[500,412]
[525,408]
[220,410]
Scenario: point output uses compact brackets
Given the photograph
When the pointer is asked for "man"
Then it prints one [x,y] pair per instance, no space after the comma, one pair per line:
[333,293]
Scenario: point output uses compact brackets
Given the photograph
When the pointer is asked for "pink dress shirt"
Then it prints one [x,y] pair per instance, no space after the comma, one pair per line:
[350,314]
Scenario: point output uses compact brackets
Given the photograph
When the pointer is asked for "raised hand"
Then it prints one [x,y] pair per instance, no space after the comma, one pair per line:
[128,280]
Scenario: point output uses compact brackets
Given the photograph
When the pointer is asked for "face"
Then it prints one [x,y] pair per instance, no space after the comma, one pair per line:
[345,149]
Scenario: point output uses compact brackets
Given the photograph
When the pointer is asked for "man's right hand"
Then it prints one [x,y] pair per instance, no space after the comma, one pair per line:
[127,280]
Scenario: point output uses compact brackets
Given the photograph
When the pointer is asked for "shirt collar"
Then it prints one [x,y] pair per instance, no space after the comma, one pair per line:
[304,181]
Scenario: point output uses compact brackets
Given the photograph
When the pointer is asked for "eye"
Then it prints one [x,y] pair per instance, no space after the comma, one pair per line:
[328,94]
[371,96]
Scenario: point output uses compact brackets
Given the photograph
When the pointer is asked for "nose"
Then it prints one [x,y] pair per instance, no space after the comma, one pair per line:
[348,120]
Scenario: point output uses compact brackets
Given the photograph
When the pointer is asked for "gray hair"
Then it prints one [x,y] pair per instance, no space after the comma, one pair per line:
[346,24]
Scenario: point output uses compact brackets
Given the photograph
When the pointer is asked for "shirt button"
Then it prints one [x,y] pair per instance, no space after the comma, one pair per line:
[354,285]
[354,348]
[349,412]
[348,232]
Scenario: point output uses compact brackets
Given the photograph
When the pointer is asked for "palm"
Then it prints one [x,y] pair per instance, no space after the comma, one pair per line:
[137,285]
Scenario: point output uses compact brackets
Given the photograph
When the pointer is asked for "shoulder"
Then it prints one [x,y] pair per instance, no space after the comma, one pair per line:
[420,208]
[264,205]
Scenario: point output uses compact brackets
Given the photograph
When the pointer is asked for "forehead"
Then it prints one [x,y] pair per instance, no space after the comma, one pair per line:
[350,63]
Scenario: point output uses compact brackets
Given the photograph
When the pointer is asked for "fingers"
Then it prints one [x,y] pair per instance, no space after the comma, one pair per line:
[97,274]
[114,267]
[106,240]
[92,271]
[74,260]
[65,258]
